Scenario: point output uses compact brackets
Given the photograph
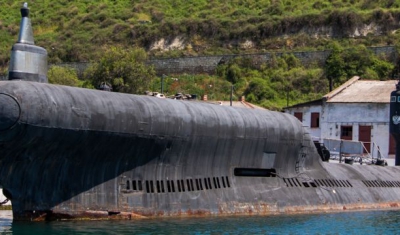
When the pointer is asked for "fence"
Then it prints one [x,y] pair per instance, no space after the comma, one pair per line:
[353,149]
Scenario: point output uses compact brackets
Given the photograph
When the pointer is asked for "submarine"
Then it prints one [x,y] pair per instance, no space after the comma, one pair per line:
[71,153]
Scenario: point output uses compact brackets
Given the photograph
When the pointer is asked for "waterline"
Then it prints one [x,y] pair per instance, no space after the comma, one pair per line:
[370,222]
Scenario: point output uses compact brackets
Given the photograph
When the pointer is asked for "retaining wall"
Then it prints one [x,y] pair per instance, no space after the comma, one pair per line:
[208,64]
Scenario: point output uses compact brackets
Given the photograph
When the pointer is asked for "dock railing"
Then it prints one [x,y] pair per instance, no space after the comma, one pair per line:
[343,150]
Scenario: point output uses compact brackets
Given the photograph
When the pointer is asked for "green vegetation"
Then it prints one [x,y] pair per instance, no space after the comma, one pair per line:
[67,77]
[284,80]
[79,30]
[123,69]
[110,32]
[343,64]
[63,76]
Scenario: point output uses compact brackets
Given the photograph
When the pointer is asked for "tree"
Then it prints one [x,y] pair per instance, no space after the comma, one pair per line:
[63,76]
[259,90]
[383,68]
[291,61]
[124,69]
[233,73]
[356,61]
[334,65]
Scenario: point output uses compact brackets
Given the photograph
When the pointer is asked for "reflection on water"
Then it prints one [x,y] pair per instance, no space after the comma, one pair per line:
[5,220]
[376,222]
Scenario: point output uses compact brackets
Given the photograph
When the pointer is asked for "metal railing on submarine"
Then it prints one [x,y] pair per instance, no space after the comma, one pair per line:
[350,151]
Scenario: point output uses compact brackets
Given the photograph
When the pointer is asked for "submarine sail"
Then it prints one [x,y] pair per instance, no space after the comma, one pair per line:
[28,61]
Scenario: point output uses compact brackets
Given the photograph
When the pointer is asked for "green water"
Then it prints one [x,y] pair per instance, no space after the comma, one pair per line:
[373,222]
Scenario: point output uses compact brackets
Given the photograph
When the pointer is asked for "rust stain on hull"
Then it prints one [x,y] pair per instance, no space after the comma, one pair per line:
[250,210]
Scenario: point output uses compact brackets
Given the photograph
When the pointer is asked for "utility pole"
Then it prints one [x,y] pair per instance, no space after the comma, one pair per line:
[287,97]
[231,93]
[162,83]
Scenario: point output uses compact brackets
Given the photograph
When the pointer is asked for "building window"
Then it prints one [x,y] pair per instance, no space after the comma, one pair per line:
[314,119]
[299,116]
[346,133]
[393,99]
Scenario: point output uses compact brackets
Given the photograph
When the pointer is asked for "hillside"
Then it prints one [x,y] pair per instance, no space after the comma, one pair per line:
[84,30]
[78,30]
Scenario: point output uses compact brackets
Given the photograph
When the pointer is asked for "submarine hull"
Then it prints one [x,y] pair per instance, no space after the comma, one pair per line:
[72,153]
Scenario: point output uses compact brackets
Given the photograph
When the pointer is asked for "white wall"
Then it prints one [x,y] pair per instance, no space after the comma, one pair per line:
[307,110]
[335,115]
[376,115]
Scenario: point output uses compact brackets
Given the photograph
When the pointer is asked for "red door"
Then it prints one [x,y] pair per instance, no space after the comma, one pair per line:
[364,135]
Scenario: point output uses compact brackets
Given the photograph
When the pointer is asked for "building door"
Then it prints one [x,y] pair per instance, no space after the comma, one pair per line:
[346,132]
[364,135]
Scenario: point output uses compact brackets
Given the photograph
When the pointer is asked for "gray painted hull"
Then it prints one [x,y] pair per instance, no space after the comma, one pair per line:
[71,153]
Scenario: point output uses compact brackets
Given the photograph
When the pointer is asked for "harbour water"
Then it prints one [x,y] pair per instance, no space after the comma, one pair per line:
[365,222]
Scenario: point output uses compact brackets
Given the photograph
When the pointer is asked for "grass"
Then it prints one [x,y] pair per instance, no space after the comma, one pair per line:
[217,22]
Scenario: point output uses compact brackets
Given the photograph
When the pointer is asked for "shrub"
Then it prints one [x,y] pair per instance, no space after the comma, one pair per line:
[123,68]
[63,76]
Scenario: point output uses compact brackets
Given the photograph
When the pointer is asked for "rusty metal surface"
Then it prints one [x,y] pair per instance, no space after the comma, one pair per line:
[251,210]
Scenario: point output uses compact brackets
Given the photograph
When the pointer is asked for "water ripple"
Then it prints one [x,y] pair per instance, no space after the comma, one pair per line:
[374,222]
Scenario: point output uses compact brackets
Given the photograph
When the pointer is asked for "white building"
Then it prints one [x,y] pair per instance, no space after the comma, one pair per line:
[358,110]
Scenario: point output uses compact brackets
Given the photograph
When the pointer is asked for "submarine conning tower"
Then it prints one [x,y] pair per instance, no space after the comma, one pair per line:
[395,120]
[28,62]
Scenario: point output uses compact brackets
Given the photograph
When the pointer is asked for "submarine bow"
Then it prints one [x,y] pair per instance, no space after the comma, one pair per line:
[74,142]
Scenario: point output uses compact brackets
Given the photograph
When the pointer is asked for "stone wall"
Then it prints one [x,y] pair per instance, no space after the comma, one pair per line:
[208,64]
